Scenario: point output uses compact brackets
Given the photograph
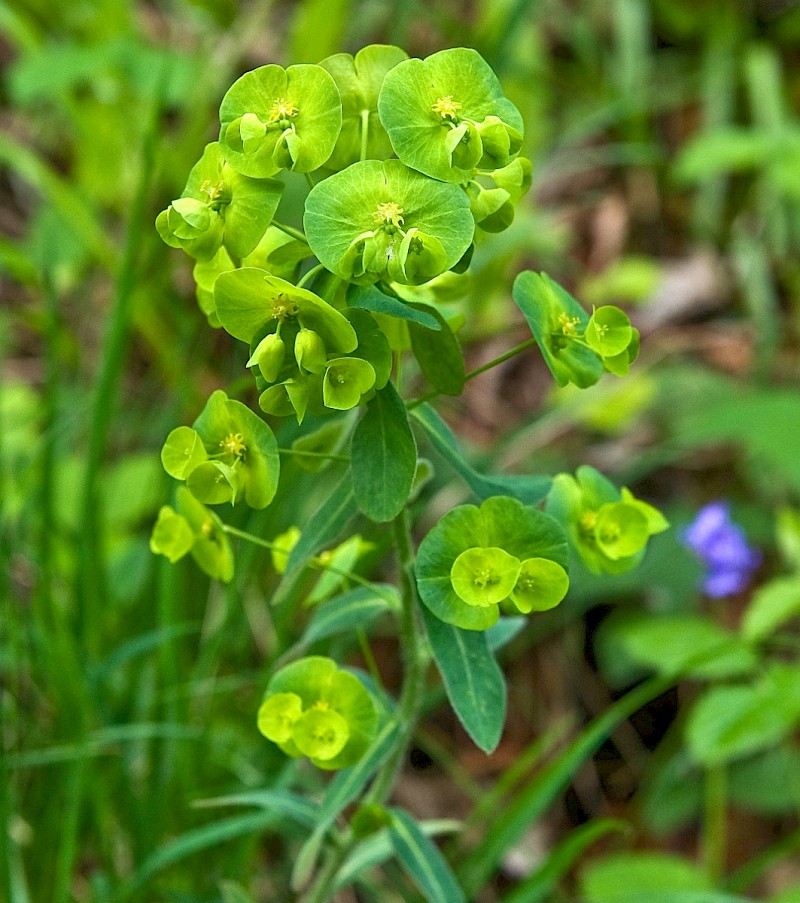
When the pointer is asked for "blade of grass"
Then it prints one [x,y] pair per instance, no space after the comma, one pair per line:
[531,802]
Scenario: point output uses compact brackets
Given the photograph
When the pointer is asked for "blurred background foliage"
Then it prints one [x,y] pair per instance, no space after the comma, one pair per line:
[666,146]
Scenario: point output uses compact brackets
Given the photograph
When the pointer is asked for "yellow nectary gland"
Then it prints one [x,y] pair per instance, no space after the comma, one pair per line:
[388,214]
[484,576]
[587,524]
[283,307]
[282,110]
[234,445]
[446,107]
[568,323]
[215,192]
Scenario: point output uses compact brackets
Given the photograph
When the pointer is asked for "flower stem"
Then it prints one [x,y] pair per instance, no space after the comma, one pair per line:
[714,839]
[289,230]
[523,346]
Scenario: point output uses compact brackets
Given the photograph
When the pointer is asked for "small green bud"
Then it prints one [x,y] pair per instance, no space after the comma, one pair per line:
[463,146]
[245,134]
[189,218]
[500,142]
[309,351]
[269,356]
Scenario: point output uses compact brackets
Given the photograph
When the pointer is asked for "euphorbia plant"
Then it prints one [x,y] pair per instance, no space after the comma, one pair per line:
[409,164]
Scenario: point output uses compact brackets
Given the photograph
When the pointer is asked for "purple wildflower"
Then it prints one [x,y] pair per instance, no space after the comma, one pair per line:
[721,544]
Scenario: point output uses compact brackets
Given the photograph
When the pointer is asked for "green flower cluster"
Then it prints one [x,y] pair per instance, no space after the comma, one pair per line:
[607,527]
[577,347]
[312,708]
[476,561]
[228,452]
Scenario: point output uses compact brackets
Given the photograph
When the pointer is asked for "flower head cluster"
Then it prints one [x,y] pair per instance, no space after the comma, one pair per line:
[722,545]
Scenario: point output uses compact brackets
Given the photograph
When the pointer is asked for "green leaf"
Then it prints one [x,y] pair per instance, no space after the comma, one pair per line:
[635,877]
[377,849]
[472,678]
[414,103]
[350,611]
[357,220]
[527,489]
[342,790]
[422,861]
[679,644]
[438,353]
[537,887]
[383,457]
[371,298]
[553,316]
[329,520]
[771,606]
[359,82]
[727,723]
[273,119]
[251,302]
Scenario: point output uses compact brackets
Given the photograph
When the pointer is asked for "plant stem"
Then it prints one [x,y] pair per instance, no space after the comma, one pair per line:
[364,134]
[344,459]
[313,564]
[714,839]
[523,346]
[289,230]
[307,277]
[408,709]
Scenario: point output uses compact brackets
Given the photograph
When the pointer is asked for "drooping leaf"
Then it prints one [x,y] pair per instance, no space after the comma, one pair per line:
[422,861]
[371,298]
[383,457]
[438,353]
[528,489]
[472,678]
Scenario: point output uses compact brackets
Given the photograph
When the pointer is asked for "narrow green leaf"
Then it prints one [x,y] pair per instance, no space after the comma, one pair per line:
[771,605]
[438,353]
[422,861]
[503,632]
[538,886]
[345,613]
[371,298]
[323,527]
[528,489]
[289,805]
[472,678]
[209,836]
[342,790]
[383,457]
[531,801]
[377,848]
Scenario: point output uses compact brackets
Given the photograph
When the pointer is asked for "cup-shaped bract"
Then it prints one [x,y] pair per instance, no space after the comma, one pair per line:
[359,81]
[274,118]
[219,207]
[313,708]
[172,535]
[245,455]
[541,585]
[557,322]
[447,114]
[501,523]
[609,331]
[251,303]
[484,577]
[182,452]
[377,220]
[346,381]
[608,528]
